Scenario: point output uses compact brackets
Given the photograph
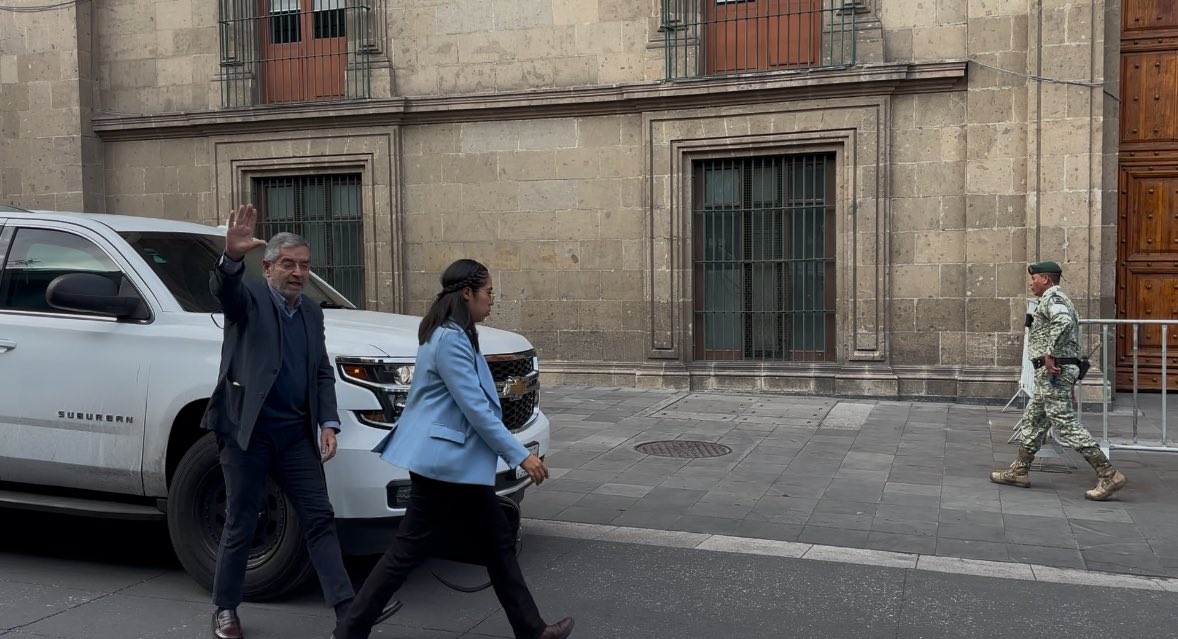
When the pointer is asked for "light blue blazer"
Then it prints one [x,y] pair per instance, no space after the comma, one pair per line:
[452,426]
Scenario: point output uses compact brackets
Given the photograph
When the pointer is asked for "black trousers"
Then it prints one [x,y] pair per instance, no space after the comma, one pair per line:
[289,456]
[436,510]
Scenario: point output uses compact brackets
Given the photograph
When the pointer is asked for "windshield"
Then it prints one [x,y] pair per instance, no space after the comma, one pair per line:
[183,261]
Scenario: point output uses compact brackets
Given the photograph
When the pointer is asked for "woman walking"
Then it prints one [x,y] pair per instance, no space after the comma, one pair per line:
[450,436]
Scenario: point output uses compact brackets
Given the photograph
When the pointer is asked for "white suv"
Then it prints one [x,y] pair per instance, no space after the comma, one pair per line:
[109,347]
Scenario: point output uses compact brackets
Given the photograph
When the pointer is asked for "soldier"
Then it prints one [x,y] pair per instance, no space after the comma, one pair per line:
[1054,349]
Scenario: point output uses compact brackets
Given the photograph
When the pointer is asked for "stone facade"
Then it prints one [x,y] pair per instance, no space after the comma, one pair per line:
[543,140]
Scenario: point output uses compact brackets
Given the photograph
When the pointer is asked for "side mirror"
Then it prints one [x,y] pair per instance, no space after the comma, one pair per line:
[92,293]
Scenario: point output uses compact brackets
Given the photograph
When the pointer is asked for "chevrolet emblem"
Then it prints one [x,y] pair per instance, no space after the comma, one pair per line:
[516,387]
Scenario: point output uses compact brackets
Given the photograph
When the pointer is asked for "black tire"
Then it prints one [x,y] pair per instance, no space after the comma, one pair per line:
[278,561]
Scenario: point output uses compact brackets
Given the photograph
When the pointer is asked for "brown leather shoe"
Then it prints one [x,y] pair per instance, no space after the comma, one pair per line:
[226,625]
[558,630]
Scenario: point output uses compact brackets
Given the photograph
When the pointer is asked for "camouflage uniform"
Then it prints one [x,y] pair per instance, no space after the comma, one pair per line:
[1055,331]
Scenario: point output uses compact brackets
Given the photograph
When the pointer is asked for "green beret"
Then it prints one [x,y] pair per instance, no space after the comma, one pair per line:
[1044,267]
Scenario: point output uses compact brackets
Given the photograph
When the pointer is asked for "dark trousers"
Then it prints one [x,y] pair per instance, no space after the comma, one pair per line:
[289,456]
[436,511]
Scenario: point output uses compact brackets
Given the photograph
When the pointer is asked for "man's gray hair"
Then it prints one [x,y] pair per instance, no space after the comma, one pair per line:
[281,241]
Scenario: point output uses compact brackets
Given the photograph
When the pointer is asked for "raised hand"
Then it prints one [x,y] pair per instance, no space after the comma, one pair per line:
[239,238]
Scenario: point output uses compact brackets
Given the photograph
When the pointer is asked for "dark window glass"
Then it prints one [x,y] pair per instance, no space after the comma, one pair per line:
[184,260]
[326,211]
[763,235]
[329,23]
[285,28]
[36,257]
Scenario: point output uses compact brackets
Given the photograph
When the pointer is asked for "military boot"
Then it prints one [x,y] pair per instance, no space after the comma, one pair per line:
[1019,473]
[1109,479]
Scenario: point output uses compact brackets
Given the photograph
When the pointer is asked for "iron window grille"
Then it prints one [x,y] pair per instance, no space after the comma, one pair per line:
[292,51]
[763,232]
[325,211]
[724,37]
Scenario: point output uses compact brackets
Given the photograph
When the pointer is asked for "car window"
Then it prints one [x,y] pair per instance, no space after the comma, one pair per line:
[184,261]
[36,257]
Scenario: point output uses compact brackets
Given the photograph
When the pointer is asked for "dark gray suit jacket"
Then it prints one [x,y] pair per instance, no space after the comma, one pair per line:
[251,355]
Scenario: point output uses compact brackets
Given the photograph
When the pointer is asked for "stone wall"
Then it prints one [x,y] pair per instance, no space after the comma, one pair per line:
[172,179]
[477,46]
[1011,171]
[554,208]
[49,156]
[157,56]
[580,209]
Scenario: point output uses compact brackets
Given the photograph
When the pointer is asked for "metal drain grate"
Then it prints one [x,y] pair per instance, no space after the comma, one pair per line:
[683,448]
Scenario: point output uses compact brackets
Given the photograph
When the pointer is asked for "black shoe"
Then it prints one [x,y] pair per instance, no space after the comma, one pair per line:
[388,611]
[226,625]
[559,630]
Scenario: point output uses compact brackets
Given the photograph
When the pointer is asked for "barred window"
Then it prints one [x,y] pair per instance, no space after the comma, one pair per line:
[324,210]
[286,51]
[721,37]
[763,233]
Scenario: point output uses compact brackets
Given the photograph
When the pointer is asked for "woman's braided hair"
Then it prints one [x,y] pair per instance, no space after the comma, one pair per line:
[447,307]
[474,281]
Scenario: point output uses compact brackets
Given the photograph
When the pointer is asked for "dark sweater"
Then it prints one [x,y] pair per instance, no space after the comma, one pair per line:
[286,405]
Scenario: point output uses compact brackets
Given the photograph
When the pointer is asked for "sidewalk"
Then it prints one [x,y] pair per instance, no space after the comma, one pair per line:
[900,476]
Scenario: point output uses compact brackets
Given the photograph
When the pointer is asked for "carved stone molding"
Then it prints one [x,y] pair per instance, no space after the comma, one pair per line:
[239,160]
[768,88]
[854,130]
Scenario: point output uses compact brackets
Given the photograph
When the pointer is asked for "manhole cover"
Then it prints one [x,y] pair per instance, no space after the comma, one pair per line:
[683,448]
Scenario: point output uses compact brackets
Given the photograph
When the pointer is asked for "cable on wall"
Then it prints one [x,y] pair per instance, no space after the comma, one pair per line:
[43,7]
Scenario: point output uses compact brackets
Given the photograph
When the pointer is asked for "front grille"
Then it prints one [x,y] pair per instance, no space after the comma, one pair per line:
[516,412]
[519,364]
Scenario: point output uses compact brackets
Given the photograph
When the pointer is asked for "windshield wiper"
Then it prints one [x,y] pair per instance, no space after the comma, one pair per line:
[331,304]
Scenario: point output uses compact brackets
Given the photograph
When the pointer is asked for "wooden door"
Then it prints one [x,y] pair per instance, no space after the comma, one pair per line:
[761,35]
[304,50]
[1147,215]
[327,50]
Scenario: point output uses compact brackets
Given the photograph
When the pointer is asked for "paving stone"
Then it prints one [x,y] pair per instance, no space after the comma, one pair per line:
[917,544]
[704,524]
[570,485]
[623,490]
[1039,531]
[669,499]
[892,512]
[853,490]
[967,517]
[835,520]
[906,477]
[926,476]
[589,515]
[833,536]
[972,549]
[1137,563]
[768,530]
[647,519]
[971,531]
[905,527]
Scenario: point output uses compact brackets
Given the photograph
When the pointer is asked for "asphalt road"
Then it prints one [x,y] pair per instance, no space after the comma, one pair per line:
[74,578]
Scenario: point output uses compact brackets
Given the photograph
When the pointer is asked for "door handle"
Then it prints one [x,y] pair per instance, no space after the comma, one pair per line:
[6,345]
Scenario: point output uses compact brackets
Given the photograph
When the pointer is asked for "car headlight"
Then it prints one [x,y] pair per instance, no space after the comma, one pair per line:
[368,371]
[389,380]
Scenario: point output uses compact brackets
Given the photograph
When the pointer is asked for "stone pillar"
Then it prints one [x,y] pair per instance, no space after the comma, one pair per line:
[49,157]
[995,192]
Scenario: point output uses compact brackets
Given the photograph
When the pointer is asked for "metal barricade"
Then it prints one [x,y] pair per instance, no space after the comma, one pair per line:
[1107,367]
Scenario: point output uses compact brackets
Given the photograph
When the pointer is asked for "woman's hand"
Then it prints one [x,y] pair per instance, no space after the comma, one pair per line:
[535,468]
